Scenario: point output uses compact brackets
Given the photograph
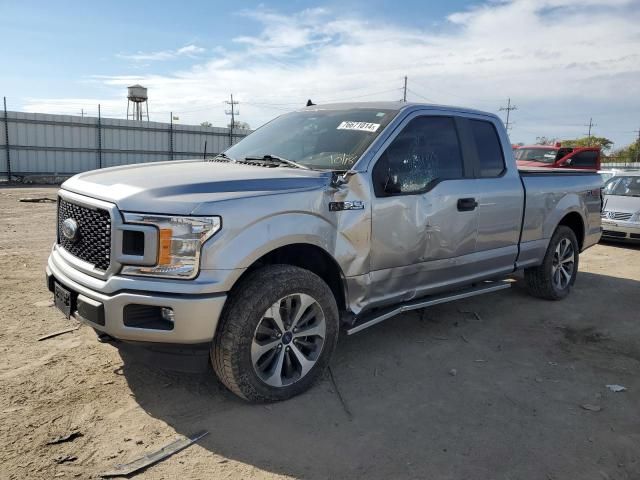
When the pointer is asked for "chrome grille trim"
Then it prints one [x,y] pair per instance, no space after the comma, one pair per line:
[616,215]
[79,263]
[94,240]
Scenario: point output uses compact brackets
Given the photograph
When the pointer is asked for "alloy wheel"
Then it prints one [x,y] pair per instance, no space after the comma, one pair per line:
[563,264]
[288,340]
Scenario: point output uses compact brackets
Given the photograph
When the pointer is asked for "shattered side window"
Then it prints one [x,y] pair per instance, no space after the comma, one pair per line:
[427,150]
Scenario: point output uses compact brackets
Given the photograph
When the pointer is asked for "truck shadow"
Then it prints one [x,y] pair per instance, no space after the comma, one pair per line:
[445,392]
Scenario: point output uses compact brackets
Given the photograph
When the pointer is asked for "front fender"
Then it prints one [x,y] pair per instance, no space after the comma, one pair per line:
[239,248]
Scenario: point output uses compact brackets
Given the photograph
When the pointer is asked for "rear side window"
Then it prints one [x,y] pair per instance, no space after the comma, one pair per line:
[489,149]
[426,151]
[588,158]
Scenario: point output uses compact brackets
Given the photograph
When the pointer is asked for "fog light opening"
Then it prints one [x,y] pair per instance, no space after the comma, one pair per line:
[168,314]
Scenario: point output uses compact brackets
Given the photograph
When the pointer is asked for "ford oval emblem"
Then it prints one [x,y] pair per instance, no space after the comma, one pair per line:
[611,215]
[70,229]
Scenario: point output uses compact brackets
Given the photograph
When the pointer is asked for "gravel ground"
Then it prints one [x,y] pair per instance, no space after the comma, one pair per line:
[493,387]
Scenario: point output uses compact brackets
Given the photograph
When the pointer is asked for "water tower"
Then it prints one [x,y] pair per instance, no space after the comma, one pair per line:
[137,102]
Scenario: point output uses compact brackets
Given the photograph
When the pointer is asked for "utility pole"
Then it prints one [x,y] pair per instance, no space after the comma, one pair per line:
[171,136]
[99,137]
[590,125]
[82,112]
[404,96]
[232,111]
[6,141]
[638,147]
[508,109]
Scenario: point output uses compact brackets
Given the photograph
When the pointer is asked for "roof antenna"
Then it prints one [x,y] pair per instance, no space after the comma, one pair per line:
[310,103]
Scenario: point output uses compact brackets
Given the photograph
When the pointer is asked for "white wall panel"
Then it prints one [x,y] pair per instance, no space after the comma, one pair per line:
[64,144]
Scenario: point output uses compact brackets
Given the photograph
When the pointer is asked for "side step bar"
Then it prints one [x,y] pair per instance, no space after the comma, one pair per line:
[382,315]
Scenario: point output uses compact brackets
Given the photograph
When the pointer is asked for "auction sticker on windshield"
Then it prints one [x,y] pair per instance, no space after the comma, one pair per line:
[363,126]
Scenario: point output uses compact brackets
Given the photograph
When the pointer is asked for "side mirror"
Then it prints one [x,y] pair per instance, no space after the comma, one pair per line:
[392,185]
[566,163]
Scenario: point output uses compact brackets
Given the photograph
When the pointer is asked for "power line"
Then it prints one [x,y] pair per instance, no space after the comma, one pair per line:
[362,96]
[484,100]
[508,109]
[430,100]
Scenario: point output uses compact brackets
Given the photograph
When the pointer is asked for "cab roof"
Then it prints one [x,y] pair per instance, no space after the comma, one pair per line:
[396,106]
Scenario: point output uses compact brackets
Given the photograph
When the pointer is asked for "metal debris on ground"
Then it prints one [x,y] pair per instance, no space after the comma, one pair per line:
[122,470]
[65,458]
[466,340]
[38,200]
[453,372]
[65,438]
[616,388]
[590,407]
[59,332]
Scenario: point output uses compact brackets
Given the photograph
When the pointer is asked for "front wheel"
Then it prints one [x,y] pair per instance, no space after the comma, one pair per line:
[276,335]
[554,278]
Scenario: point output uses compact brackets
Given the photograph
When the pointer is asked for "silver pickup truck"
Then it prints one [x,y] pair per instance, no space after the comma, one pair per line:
[330,217]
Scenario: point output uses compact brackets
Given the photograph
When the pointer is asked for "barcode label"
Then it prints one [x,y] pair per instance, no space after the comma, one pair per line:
[363,126]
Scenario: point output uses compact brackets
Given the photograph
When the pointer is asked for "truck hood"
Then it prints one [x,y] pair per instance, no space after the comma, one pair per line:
[181,187]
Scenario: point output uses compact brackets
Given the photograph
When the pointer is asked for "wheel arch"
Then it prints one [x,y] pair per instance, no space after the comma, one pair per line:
[310,257]
[575,222]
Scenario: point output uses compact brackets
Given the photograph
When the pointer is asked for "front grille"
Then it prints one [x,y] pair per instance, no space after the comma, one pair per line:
[613,233]
[93,243]
[616,215]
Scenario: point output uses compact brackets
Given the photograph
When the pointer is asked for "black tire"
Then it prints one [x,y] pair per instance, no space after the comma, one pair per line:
[231,354]
[540,279]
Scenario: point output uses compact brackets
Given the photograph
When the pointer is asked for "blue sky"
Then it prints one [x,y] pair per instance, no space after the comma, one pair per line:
[561,61]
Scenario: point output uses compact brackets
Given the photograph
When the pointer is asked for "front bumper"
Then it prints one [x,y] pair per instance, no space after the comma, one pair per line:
[195,314]
[623,231]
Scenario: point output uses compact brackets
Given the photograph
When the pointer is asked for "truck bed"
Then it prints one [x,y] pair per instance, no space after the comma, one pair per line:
[533,171]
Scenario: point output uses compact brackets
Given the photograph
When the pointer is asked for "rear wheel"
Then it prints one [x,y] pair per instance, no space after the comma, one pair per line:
[276,335]
[553,279]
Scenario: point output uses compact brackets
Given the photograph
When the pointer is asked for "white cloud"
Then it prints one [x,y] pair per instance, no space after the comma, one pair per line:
[191,51]
[561,62]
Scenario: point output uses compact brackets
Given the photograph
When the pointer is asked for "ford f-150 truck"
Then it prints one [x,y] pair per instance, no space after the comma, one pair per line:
[334,216]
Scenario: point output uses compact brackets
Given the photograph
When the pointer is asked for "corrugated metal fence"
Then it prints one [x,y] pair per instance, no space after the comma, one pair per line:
[62,145]
[623,165]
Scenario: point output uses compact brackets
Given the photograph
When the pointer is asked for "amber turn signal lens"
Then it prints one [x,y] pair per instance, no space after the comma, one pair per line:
[164,253]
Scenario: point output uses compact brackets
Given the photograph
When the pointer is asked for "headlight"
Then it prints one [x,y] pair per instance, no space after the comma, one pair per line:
[180,240]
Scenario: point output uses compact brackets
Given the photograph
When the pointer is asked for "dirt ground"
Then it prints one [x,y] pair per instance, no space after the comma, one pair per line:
[492,387]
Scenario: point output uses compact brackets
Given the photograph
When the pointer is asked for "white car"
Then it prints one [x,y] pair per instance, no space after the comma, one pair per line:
[621,210]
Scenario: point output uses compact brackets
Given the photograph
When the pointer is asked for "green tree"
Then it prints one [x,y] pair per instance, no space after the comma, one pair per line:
[206,124]
[602,142]
[630,153]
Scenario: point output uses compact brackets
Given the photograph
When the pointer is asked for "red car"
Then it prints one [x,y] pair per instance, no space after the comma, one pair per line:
[556,156]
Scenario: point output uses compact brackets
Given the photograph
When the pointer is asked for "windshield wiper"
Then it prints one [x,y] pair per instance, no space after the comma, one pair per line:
[276,159]
[224,156]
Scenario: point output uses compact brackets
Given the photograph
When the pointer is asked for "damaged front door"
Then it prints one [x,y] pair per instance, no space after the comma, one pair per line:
[424,212]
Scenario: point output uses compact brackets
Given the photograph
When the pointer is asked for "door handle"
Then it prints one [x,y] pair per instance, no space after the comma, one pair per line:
[467,204]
